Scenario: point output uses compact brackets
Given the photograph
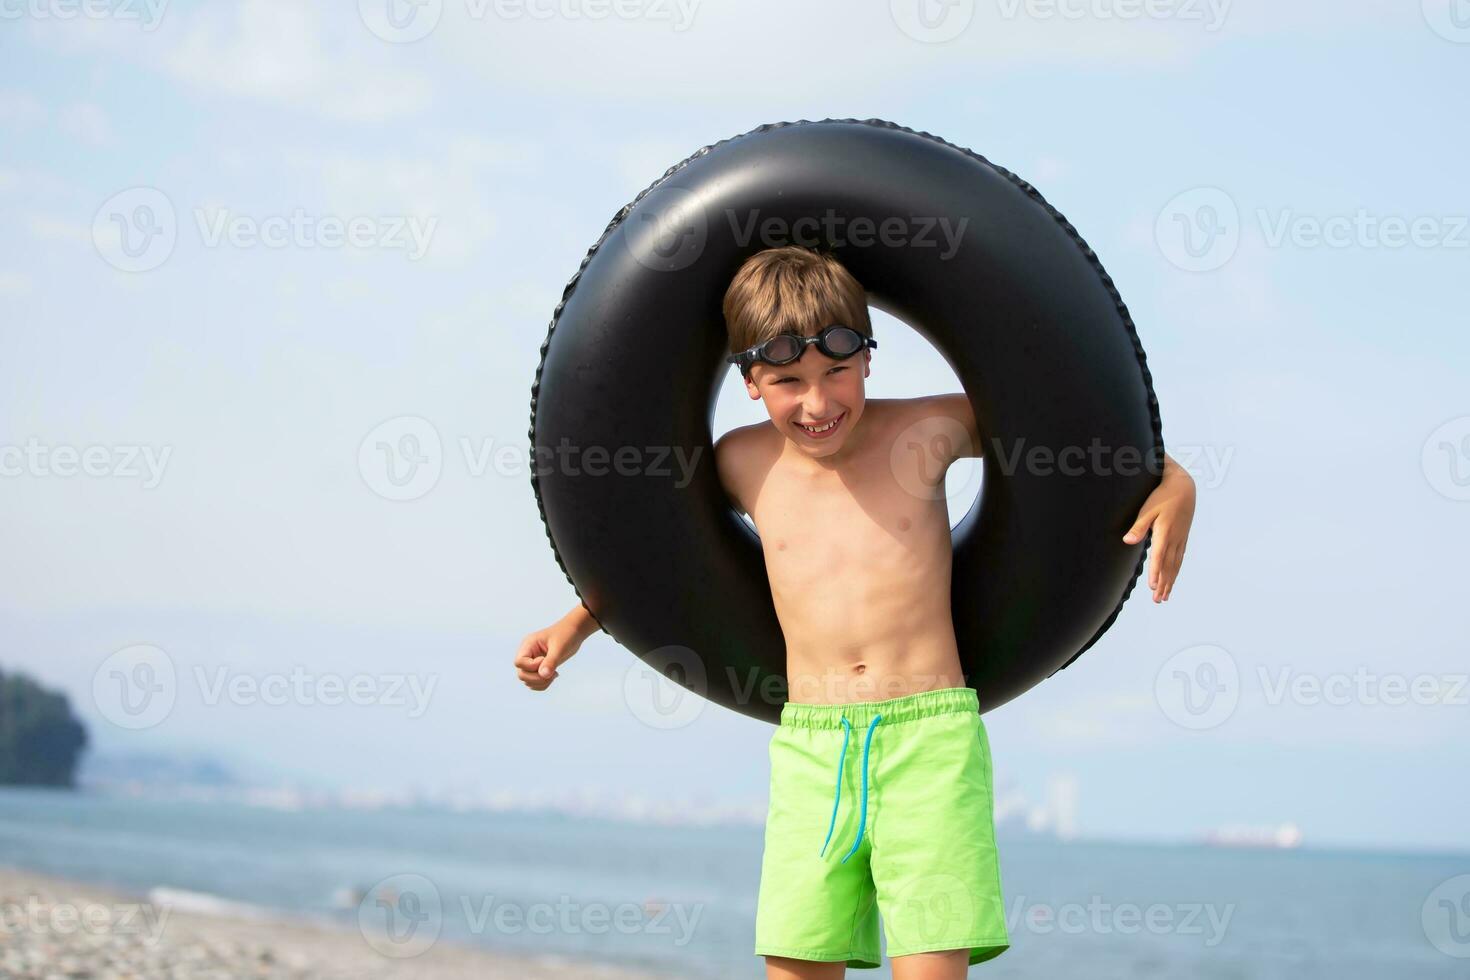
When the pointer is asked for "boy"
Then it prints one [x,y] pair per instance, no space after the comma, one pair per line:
[856,539]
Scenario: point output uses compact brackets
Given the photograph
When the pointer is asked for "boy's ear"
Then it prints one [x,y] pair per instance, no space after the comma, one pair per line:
[751,389]
[868,363]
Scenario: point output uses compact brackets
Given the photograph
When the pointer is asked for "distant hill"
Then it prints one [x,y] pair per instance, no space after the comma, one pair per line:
[40,739]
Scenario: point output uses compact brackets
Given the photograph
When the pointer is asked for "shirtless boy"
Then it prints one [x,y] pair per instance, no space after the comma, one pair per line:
[856,541]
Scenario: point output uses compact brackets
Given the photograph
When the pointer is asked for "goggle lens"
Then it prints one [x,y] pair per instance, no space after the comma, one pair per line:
[783,348]
[841,342]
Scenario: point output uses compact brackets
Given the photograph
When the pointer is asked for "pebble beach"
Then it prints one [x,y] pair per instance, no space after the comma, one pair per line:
[55,929]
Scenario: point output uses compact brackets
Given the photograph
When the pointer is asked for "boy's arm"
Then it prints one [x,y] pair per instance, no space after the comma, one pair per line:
[1169,510]
[542,652]
[732,453]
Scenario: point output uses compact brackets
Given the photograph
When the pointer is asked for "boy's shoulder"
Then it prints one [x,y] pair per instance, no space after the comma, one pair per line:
[741,452]
[939,411]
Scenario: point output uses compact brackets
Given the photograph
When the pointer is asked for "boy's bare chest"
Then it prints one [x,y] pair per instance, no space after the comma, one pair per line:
[817,526]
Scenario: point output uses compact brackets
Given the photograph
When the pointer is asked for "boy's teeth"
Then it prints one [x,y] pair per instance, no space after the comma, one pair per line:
[819,428]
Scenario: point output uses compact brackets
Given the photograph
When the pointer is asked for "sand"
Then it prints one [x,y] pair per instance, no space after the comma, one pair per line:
[52,928]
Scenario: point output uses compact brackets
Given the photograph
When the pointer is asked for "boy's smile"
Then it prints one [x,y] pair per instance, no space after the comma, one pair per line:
[815,401]
[821,429]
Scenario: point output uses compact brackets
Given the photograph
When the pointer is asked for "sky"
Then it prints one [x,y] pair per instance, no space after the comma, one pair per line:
[246,244]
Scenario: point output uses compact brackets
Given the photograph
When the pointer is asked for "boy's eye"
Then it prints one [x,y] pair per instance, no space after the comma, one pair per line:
[840,367]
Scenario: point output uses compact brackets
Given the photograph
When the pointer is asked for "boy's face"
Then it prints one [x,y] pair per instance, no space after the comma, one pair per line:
[805,398]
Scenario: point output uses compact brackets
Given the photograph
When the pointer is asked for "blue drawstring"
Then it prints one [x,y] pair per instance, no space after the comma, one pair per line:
[845,729]
[863,812]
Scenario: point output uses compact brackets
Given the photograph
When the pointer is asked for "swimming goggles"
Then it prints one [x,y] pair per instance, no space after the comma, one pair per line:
[837,341]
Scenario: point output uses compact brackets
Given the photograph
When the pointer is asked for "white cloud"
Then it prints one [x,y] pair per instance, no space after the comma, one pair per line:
[83,121]
[14,283]
[31,182]
[282,53]
[725,54]
[50,229]
[86,123]
[453,186]
[19,108]
[1048,168]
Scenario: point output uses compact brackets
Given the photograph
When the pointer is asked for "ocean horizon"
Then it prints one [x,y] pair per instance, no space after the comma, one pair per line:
[680,900]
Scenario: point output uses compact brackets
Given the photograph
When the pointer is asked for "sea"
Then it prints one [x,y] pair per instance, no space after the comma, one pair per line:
[681,900]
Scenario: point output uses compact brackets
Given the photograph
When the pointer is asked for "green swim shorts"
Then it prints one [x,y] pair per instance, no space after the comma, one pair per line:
[881,806]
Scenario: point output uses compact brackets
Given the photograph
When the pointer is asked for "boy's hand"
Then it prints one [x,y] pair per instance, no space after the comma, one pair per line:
[1169,510]
[541,652]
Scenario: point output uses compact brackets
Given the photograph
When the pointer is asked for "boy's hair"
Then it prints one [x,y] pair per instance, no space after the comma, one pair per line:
[792,290]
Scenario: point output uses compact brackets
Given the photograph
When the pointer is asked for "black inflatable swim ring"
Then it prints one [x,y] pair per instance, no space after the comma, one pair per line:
[623,401]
